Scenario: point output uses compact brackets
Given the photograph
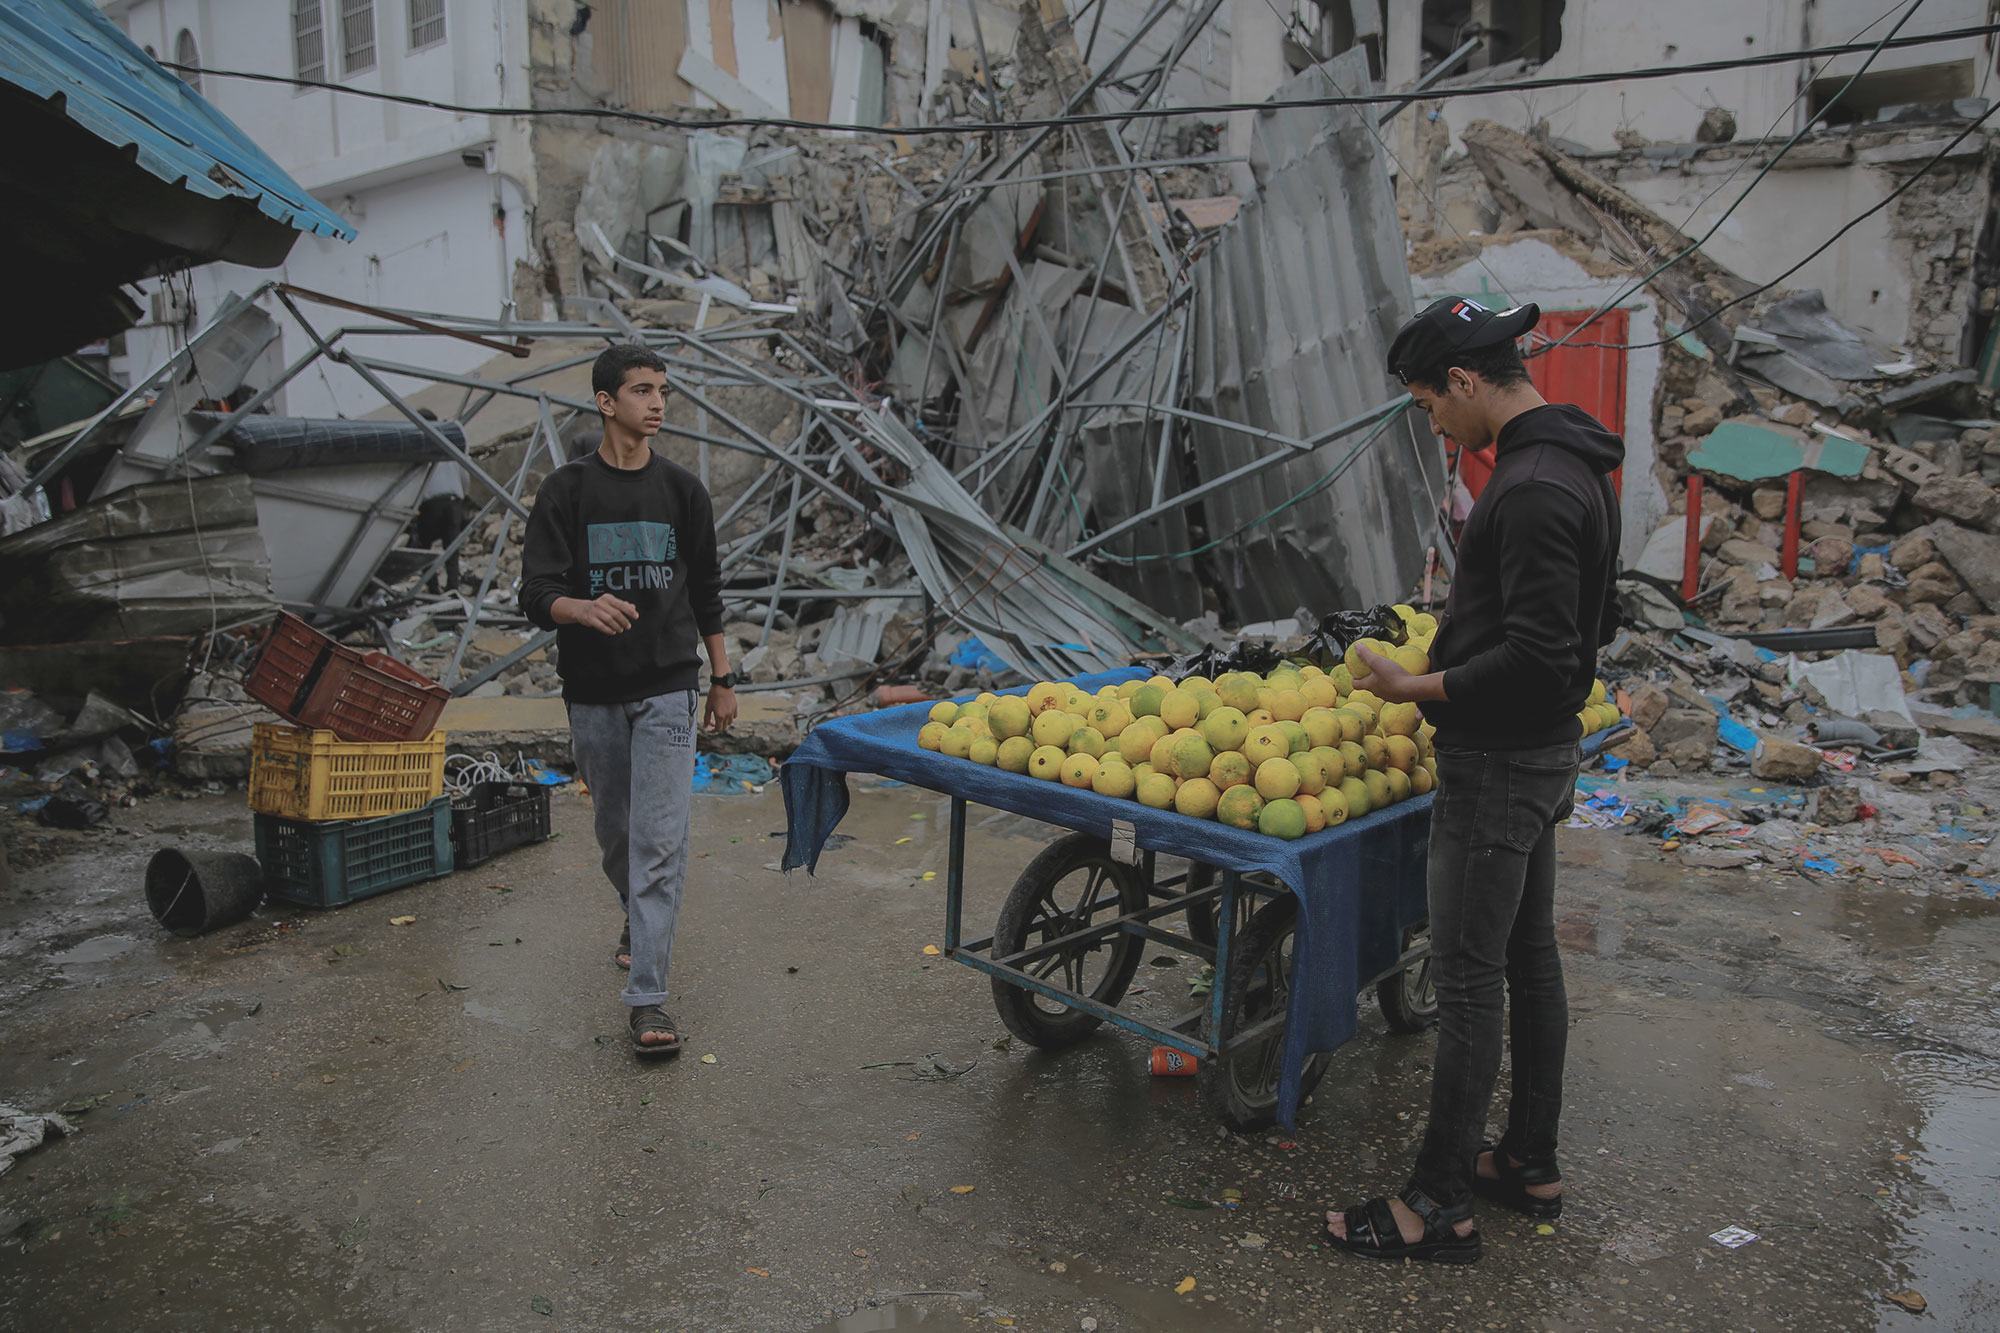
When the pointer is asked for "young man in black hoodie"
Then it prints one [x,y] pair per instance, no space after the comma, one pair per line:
[620,562]
[1515,656]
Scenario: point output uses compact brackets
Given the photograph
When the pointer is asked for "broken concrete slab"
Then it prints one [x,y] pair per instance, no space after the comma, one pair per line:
[1776,760]
[1973,556]
[1678,725]
[1965,499]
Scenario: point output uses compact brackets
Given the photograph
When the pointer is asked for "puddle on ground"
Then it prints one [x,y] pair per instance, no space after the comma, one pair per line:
[1954,1175]
[881,1317]
[513,1022]
[101,949]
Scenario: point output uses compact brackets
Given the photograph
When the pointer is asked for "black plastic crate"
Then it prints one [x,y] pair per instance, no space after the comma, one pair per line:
[329,863]
[496,818]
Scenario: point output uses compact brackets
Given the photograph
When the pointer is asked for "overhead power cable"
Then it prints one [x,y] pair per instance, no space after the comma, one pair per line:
[1692,246]
[964,128]
[1819,249]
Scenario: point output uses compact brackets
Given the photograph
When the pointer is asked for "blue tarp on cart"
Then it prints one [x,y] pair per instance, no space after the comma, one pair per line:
[1360,885]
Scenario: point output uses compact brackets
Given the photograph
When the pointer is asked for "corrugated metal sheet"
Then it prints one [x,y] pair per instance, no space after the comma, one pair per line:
[1040,613]
[169,557]
[1295,308]
[65,51]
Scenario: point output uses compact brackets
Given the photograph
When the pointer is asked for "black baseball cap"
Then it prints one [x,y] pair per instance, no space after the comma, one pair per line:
[1451,325]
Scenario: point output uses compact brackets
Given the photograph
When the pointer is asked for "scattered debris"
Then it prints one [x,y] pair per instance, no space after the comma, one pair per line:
[24,1131]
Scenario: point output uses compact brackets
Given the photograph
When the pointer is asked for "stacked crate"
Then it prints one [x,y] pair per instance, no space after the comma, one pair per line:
[349,801]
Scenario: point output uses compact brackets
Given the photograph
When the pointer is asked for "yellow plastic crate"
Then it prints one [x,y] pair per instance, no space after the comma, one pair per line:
[300,774]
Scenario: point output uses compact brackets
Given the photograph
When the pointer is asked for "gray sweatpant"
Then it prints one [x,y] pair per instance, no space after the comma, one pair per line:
[638,760]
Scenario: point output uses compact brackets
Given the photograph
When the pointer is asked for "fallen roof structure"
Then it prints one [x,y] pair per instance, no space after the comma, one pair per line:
[998,386]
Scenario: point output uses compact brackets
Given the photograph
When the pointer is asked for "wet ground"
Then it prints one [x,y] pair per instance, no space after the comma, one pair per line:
[321,1121]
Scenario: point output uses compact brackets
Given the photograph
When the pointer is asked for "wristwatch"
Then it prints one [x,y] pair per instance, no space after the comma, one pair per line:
[727,680]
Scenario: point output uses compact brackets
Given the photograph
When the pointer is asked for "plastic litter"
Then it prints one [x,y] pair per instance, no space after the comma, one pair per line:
[732,773]
[977,656]
[1735,735]
[64,810]
[24,1131]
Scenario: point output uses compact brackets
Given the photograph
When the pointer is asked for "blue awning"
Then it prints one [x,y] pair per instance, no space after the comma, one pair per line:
[66,53]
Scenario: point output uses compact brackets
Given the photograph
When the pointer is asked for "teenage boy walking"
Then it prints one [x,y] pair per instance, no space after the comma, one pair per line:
[1530,605]
[620,561]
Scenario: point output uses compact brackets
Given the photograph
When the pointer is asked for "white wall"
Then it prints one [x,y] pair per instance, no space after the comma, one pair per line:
[429,238]
[1790,212]
[1508,273]
[426,243]
[1599,35]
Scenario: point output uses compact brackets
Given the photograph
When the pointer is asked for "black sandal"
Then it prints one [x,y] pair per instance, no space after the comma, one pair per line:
[651,1018]
[622,955]
[1372,1233]
[1510,1190]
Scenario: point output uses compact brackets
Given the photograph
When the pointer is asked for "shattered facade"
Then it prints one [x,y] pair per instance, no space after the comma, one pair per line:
[1059,390]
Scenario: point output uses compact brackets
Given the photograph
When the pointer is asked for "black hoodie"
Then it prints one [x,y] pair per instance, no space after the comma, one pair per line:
[1532,595]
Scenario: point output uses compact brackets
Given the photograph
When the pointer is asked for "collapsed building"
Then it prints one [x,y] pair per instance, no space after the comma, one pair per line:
[1013,389]
[1056,390]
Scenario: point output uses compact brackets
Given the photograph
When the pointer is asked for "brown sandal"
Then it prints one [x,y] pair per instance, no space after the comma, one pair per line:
[649,1019]
[622,955]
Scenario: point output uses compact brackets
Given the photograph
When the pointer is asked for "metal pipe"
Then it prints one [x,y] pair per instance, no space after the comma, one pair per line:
[478,603]
[1167,415]
[893,290]
[985,65]
[1149,164]
[1250,469]
[500,664]
[784,563]
[438,437]
[935,334]
[515,348]
[750,596]
[257,400]
[139,388]
[1432,75]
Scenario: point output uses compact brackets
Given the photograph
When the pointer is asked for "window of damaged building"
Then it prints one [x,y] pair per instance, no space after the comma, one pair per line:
[1529,31]
[797,58]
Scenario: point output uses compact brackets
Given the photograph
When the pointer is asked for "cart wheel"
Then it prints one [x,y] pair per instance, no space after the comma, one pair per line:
[1064,889]
[1201,919]
[1241,1088]
[1409,999]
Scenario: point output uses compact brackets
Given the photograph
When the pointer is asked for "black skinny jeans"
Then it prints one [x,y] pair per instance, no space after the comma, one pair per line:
[1492,901]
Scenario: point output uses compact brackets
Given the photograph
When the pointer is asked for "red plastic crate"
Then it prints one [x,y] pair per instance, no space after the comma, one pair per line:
[307,678]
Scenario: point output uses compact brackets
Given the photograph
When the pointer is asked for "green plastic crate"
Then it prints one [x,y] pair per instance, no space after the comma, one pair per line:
[329,863]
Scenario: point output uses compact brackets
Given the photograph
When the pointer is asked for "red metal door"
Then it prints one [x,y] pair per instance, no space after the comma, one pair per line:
[1591,377]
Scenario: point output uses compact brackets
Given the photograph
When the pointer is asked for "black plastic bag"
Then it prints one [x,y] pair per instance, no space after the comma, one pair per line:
[1327,646]
[73,812]
[1324,648]
[1219,658]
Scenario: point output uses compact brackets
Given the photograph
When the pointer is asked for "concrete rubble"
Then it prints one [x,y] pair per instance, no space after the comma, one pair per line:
[969,409]
[979,409]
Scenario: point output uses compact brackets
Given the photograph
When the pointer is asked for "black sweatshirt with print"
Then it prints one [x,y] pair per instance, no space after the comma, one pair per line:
[646,535]
[1532,597]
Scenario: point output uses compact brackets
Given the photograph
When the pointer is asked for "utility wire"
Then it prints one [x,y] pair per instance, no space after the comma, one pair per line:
[1805,88]
[1639,283]
[1817,250]
[966,128]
